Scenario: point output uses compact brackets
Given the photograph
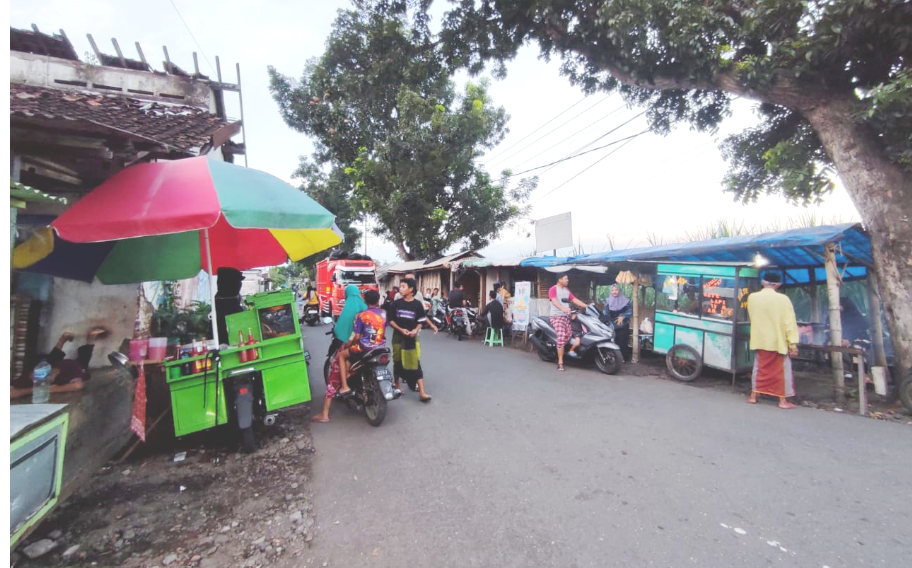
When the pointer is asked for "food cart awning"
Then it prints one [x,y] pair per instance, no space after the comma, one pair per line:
[799,252]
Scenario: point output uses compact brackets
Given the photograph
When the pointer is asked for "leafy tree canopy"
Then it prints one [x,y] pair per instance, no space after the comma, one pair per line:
[394,139]
[686,59]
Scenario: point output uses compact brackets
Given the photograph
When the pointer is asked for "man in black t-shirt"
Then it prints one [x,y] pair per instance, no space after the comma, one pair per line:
[456,299]
[406,318]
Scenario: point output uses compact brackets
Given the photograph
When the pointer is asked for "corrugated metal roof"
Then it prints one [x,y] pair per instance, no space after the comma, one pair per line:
[422,265]
[543,261]
[489,262]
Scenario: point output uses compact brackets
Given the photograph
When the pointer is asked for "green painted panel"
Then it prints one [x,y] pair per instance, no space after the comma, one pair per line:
[663,338]
[697,270]
[693,322]
[744,357]
[193,404]
[717,350]
[286,385]
[749,272]
[241,322]
[691,337]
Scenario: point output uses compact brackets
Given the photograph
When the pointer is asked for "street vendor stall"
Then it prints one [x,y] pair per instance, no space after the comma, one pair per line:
[168,221]
[701,318]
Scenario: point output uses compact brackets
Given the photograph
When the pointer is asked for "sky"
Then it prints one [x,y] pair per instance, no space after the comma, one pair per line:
[653,189]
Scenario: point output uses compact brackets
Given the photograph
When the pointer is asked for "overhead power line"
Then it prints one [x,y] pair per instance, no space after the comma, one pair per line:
[628,141]
[193,36]
[537,129]
[587,127]
[570,157]
[550,132]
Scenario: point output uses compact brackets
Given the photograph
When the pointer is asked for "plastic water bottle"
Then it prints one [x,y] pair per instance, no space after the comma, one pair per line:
[41,388]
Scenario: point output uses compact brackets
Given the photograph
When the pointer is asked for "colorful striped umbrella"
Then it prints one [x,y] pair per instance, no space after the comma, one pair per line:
[169,220]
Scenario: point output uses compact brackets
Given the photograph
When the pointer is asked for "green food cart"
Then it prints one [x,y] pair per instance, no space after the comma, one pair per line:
[701,317]
[230,390]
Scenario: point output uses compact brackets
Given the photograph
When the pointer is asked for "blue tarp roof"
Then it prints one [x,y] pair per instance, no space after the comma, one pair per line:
[543,261]
[796,248]
[784,249]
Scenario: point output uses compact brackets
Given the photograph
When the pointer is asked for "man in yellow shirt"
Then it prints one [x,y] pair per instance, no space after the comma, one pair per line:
[774,340]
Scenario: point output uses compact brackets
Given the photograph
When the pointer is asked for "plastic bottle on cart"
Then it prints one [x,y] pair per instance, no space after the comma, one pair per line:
[41,379]
[252,354]
[197,363]
[206,364]
[243,352]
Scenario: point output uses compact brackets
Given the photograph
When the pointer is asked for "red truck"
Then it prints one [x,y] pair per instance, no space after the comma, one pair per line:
[334,274]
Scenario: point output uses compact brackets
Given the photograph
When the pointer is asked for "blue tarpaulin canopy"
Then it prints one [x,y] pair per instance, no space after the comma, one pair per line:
[799,252]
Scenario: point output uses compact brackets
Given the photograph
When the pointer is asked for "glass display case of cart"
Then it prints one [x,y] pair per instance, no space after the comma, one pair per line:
[704,306]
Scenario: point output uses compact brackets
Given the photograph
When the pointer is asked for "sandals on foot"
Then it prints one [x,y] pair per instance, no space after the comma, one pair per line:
[426,399]
[560,367]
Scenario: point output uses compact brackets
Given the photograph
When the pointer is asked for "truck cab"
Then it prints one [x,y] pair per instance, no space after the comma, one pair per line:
[334,275]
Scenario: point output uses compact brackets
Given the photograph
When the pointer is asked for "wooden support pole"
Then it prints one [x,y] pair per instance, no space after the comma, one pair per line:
[167,60]
[95,48]
[218,69]
[196,67]
[635,322]
[815,300]
[142,56]
[123,62]
[241,101]
[880,354]
[833,284]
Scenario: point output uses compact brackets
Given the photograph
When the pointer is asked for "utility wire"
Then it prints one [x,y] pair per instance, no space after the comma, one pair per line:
[629,140]
[570,157]
[537,129]
[587,127]
[615,129]
[192,36]
[549,132]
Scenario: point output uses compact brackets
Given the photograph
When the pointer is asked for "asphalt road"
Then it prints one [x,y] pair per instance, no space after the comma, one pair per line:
[515,464]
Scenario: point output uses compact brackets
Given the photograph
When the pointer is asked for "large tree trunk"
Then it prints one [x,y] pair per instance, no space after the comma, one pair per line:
[404,254]
[882,192]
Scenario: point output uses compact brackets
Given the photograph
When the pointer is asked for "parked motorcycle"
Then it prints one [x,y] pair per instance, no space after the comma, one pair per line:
[463,321]
[311,314]
[597,344]
[440,316]
[370,381]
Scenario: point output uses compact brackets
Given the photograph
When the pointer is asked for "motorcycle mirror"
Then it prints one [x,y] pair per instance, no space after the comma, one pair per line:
[327,320]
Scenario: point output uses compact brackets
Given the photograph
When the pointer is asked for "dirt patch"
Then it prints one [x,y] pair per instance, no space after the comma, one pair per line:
[216,508]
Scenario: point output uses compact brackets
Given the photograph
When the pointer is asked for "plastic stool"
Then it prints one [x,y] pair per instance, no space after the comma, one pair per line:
[494,337]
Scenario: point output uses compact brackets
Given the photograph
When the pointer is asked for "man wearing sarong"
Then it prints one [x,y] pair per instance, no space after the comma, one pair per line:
[561,298]
[774,340]
[406,318]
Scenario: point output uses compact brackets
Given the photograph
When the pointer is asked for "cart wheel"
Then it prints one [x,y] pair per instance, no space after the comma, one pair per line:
[684,363]
[247,439]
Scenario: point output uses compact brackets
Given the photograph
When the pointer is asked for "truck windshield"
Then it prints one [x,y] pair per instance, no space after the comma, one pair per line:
[357,277]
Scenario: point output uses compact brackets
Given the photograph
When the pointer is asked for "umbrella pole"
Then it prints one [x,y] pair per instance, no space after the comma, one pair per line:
[211,290]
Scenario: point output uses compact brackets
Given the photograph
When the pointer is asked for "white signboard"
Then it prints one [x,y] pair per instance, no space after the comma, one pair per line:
[553,233]
[522,296]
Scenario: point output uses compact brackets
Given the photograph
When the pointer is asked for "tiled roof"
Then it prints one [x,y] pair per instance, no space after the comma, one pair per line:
[181,127]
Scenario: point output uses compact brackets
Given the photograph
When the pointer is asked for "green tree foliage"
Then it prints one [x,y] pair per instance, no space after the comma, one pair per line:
[394,139]
[831,78]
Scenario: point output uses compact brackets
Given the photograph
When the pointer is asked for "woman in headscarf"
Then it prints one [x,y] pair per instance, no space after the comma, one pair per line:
[342,332]
[618,309]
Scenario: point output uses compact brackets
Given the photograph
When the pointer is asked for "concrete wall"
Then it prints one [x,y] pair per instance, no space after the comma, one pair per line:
[76,307]
[44,71]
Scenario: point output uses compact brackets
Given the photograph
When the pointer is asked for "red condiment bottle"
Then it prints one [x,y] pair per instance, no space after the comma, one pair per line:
[206,363]
[252,354]
[243,352]
[195,352]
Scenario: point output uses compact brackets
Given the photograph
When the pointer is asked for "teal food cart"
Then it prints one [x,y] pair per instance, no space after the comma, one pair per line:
[229,390]
[701,317]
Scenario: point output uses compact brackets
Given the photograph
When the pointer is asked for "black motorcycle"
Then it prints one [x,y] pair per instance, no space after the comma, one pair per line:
[463,321]
[597,344]
[311,314]
[370,381]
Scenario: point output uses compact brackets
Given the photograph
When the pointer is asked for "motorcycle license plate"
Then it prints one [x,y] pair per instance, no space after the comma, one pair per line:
[383,374]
